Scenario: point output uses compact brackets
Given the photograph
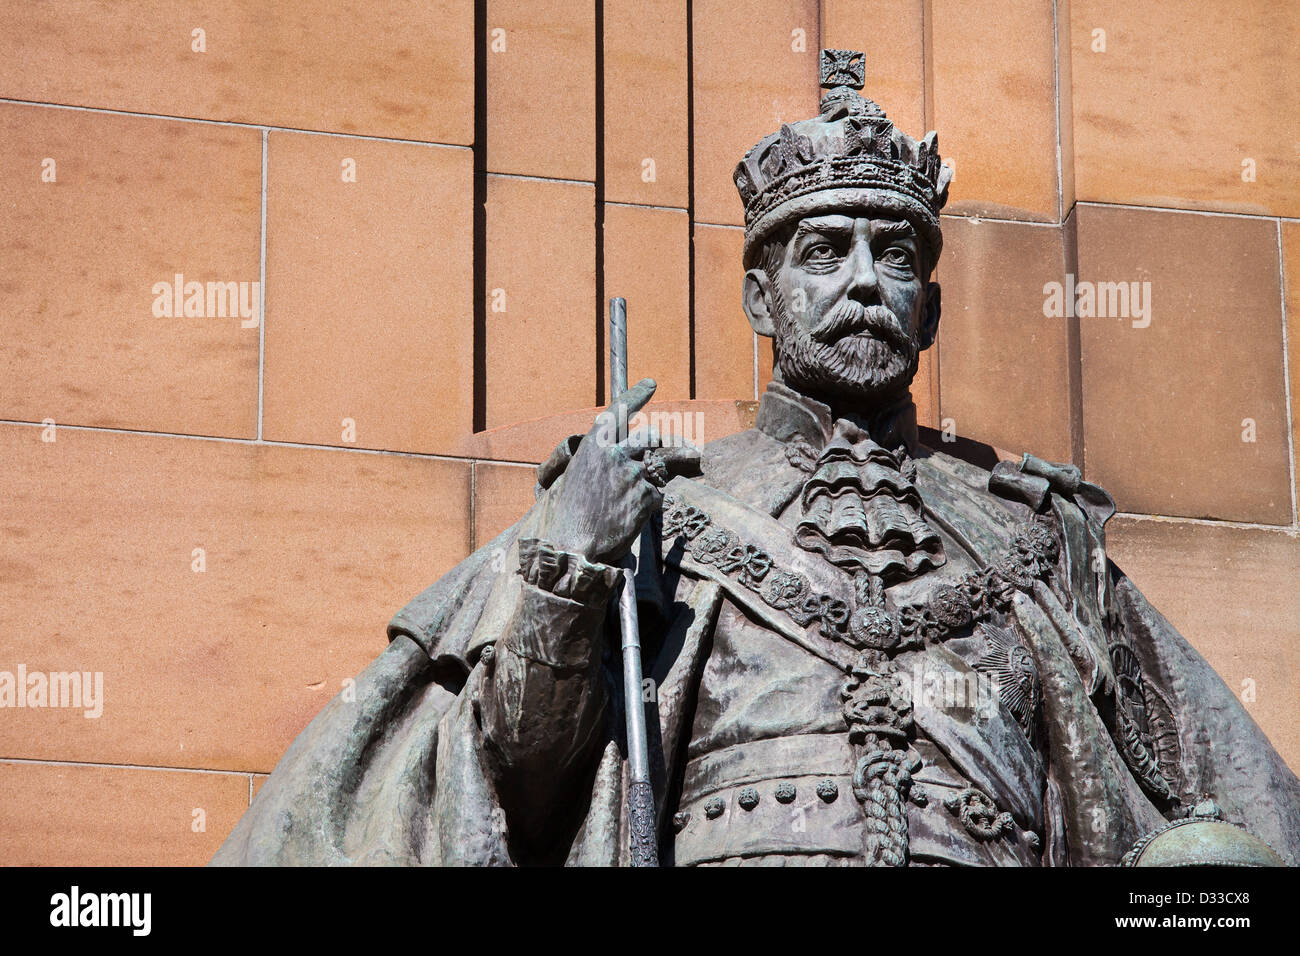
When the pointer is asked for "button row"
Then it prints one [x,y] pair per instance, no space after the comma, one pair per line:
[748,798]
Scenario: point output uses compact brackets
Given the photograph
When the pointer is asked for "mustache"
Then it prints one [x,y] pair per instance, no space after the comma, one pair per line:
[847,318]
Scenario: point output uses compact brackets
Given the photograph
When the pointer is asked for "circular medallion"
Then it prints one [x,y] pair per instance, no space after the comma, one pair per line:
[1016,573]
[785,590]
[873,627]
[1042,540]
[951,607]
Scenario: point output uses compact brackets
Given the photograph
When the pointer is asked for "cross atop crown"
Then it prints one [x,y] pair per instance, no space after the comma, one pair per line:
[843,68]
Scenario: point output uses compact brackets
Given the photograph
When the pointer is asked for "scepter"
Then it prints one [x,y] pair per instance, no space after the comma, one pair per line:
[640,792]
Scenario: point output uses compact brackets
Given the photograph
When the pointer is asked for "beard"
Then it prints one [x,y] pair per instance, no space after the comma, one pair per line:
[856,352]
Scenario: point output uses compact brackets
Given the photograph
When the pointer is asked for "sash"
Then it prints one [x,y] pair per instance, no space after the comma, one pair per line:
[800,595]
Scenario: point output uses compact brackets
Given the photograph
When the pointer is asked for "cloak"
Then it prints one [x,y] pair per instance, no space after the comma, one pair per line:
[391,772]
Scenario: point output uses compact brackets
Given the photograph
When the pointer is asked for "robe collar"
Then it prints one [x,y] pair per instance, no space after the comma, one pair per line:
[857,504]
[789,416]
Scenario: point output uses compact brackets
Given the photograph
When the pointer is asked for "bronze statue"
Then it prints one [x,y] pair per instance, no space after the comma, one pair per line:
[862,645]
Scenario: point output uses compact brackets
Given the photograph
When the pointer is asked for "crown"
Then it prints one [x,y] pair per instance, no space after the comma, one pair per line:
[849,155]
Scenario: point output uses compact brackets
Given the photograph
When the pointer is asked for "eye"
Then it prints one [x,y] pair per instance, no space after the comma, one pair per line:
[821,252]
[896,256]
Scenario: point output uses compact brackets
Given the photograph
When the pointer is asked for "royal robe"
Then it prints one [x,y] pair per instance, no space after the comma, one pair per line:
[490,731]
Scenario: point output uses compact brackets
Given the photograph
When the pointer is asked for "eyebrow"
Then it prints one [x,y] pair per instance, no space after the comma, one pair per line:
[825,226]
[893,229]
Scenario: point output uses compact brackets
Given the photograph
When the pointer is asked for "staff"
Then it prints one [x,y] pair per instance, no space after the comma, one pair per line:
[640,793]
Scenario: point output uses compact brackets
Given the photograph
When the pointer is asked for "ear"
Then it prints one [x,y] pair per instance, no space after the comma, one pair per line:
[930,318]
[757,302]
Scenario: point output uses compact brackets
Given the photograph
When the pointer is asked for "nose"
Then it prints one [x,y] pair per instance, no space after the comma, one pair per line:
[863,283]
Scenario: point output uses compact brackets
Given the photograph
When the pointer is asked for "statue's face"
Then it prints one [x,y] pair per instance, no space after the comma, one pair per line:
[847,299]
